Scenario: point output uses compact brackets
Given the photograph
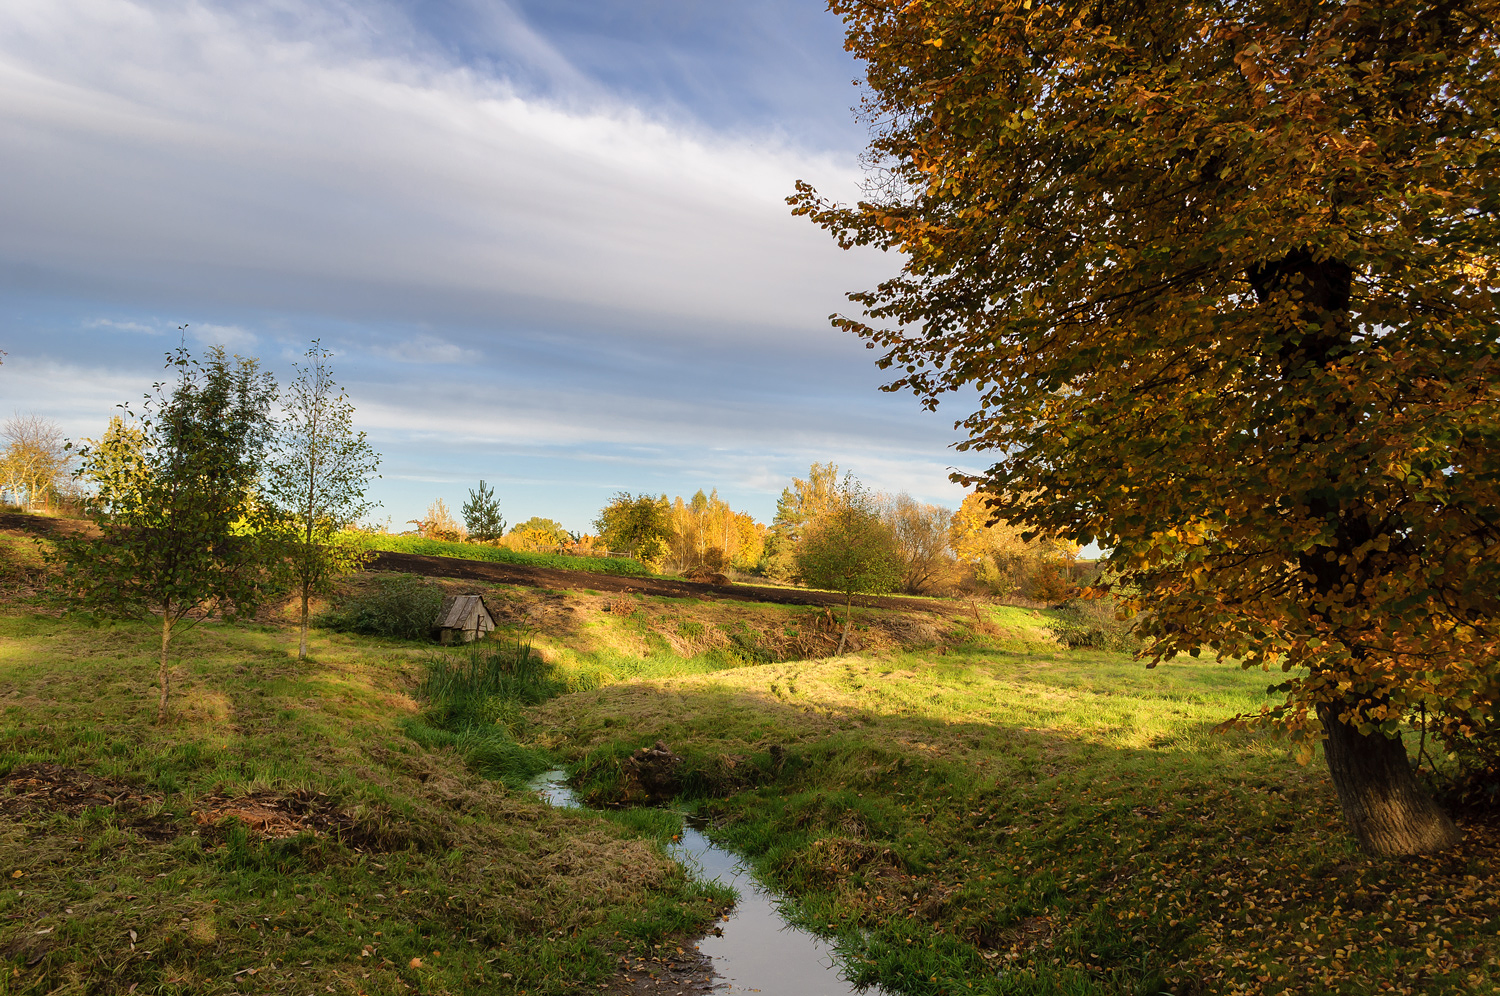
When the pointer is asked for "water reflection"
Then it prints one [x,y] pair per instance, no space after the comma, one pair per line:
[758,952]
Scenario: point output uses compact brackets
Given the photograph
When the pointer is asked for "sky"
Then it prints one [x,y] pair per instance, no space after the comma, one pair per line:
[546,240]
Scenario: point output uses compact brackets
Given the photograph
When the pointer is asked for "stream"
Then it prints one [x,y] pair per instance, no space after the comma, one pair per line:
[758,951]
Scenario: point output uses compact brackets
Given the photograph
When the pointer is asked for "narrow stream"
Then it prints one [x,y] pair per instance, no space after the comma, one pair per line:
[759,952]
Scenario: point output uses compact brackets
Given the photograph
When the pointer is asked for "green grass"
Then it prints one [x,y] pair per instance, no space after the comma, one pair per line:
[429,879]
[500,555]
[1008,818]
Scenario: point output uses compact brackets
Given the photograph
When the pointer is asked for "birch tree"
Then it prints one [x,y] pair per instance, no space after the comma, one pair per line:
[317,480]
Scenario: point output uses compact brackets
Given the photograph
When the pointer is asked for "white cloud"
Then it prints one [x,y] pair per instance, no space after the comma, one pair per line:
[80,399]
[231,337]
[138,327]
[427,349]
[306,160]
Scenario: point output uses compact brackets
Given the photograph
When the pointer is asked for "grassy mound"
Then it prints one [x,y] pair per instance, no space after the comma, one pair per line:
[621,566]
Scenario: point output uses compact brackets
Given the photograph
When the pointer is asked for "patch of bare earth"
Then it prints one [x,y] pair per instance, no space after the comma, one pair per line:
[52,788]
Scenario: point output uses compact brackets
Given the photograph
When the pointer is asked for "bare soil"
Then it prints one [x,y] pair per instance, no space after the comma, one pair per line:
[48,788]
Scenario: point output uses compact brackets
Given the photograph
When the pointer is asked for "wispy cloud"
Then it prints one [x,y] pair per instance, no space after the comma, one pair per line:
[303,160]
[137,327]
[427,349]
[231,337]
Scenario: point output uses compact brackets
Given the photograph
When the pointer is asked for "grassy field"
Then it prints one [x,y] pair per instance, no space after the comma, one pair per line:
[963,806]
[621,566]
[296,827]
[1012,818]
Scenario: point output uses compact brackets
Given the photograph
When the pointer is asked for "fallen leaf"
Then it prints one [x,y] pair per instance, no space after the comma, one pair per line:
[415,963]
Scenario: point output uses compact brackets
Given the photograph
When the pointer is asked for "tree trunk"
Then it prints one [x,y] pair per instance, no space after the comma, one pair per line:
[848,618]
[166,637]
[302,647]
[1385,807]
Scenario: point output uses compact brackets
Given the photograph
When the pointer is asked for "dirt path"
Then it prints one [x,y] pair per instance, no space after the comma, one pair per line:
[552,577]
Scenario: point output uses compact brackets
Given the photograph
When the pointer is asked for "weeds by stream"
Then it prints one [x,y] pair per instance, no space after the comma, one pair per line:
[474,701]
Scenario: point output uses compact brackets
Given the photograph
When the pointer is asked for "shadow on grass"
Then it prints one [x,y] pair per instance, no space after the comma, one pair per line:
[1062,832]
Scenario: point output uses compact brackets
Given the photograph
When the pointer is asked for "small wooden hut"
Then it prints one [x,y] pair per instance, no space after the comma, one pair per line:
[462,618]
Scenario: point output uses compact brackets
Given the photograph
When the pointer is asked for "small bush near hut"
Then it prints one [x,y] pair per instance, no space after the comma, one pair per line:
[401,606]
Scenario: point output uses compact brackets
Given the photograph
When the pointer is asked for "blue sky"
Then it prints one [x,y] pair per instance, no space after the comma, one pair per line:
[545,238]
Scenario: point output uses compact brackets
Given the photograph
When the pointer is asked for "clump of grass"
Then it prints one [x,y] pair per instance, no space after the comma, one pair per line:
[474,705]
[510,672]
[400,606]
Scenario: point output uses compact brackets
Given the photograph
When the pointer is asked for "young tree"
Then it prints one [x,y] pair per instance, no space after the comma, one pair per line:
[316,480]
[640,524]
[482,515]
[1223,279]
[114,473]
[180,534]
[850,548]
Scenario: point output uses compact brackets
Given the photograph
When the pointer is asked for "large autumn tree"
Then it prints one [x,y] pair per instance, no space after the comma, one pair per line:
[1222,277]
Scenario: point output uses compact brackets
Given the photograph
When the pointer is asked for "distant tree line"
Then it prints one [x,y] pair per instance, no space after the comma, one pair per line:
[935,550]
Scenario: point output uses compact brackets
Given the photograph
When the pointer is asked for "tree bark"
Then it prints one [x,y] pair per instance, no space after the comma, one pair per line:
[1384,805]
[166,637]
[848,618]
[302,647]
[1386,809]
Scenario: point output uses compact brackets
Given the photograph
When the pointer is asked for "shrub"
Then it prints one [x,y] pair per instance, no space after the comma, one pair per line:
[1091,623]
[402,606]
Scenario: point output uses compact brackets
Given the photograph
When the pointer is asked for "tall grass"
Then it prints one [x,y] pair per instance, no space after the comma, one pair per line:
[500,555]
[474,702]
[507,672]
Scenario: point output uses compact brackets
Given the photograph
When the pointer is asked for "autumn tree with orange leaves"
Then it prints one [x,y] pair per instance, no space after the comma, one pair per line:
[1222,278]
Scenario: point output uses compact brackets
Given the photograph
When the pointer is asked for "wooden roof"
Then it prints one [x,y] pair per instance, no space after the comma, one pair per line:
[459,612]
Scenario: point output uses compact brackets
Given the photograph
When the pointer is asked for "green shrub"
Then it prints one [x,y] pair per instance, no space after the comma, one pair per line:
[1090,623]
[402,606]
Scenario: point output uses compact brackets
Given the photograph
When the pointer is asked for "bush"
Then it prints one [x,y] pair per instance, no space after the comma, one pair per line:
[402,606]
[1471,778]
[1091,623]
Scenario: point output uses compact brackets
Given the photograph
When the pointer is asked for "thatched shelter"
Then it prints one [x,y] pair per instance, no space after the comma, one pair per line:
[462,618]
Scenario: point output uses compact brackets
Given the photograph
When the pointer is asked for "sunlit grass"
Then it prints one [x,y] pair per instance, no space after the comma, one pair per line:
[504,555]
[485,887]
